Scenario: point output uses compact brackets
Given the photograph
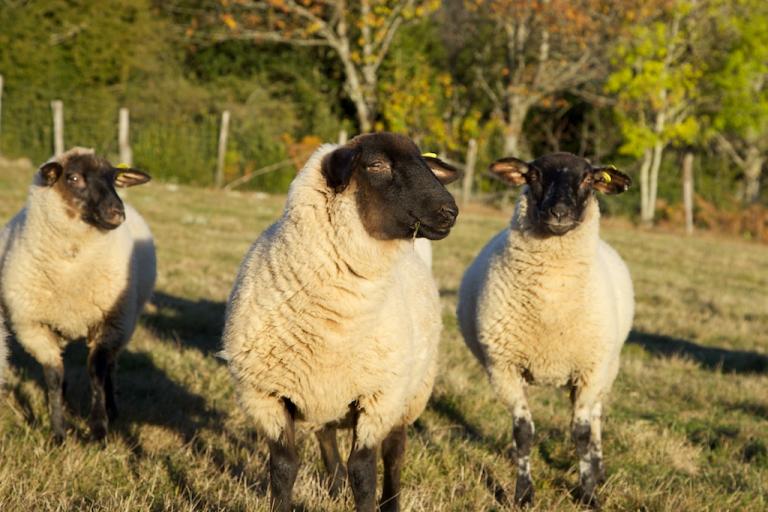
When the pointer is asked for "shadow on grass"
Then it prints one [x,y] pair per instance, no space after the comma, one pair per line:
[194,323]
[713,358]
[145,394]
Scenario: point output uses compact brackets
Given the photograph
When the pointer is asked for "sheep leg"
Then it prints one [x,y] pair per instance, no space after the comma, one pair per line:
[392,451]
[44,346]
[109,389]
[362,476]
[54,380]
[283,466]
[511,390]
[100,359]
[329,451]
[586,436]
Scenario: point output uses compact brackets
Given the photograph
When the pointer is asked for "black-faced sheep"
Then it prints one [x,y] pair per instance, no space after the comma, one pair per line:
[548,302]
[334,319]
[77,263]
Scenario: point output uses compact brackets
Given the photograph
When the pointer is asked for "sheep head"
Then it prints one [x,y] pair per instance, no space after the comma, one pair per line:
[399,192]
[86,184]
[560,186]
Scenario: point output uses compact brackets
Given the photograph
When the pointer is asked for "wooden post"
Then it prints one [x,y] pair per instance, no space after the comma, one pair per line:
[58,127]
[123,139]
[688,191]
[469,172]
[223,134]
[342,137]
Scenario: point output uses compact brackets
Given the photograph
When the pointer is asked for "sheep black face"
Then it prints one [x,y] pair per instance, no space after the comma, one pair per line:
[560,186]
[87,184]
[398,191]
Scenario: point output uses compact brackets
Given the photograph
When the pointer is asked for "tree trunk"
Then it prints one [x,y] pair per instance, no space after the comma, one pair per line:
[688,191]
[752,169]
[513,127]
[646,215]
[653,189]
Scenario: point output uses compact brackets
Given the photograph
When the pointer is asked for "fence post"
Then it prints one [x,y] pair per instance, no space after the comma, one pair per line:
[223,134]
[688,191]
[123,140]
[58,127]
[342,137]
[469,172]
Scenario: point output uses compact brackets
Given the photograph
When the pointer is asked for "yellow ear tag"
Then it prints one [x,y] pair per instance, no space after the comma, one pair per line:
[606,177]
[123,165]
[429,155]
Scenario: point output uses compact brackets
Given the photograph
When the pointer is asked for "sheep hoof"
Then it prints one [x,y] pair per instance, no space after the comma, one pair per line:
[588,499]
[98,430]
[336,485]
[524,492]
[58,438]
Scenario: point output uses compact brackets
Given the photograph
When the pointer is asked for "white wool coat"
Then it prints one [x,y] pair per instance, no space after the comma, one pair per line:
[556,310]
[60,277]
[326,316]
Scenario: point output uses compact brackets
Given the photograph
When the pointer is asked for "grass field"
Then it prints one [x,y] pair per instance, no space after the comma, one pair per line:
[686,428]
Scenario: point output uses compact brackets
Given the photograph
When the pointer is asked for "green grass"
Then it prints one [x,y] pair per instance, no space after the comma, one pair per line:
[686,426]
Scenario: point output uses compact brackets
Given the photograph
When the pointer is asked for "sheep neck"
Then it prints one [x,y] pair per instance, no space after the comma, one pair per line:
[578,247]
[332,220]
[51,232]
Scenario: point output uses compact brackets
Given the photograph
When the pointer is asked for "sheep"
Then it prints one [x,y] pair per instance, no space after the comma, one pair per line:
[75,263]
[334,320]
[548,302]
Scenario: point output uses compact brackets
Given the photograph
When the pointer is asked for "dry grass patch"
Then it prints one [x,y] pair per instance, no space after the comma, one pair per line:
[685,426]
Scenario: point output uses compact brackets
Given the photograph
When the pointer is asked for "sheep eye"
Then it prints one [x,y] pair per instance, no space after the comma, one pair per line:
[378,167]
[73,178]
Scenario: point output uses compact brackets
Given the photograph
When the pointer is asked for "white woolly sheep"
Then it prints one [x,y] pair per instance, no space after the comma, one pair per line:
[548,302]
[76,263]
[334,319]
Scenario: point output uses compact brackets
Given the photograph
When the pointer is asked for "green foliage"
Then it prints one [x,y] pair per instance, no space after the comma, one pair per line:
[741,67]
[655,78]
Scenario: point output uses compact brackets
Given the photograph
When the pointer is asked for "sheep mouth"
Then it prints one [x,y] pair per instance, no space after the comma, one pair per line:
[103,224]
[559,228]
[430,232]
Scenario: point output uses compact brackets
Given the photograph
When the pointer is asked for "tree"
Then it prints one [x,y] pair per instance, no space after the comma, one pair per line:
[359,34]
[534,49]
[656,83]
[739,88]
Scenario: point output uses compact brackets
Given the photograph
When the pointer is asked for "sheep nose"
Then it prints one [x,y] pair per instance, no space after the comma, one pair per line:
[448,214]
[558,211]
[115,215]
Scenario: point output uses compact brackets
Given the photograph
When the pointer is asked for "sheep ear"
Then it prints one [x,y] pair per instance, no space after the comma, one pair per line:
[130,177]
[337,167]
[610,180]
[444,172]
[51,172]
[510,170]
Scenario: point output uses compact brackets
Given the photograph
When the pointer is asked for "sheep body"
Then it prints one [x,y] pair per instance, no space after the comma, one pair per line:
[62,279]
[355,320]
[552,311]
[520,298]
[62,275]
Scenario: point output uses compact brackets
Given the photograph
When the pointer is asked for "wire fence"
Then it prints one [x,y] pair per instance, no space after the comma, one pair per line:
[172,147]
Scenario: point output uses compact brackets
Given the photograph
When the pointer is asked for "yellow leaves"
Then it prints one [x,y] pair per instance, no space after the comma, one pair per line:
[229,21]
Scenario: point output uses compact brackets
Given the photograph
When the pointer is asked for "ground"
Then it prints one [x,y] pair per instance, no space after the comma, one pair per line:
[686,426]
